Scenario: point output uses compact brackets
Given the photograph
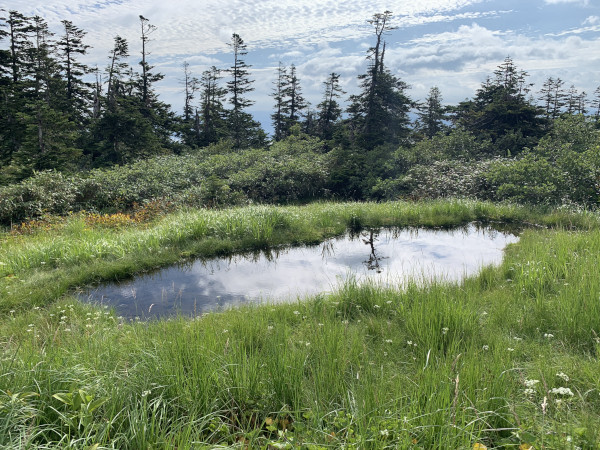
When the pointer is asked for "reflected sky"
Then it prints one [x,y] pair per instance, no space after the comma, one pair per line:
[386,256]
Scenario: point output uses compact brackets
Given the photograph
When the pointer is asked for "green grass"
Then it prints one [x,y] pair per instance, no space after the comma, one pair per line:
[440,366]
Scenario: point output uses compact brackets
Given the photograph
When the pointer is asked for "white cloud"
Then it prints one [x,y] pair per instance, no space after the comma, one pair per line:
[185,26]
[323,36]
[458,62]
[555,2]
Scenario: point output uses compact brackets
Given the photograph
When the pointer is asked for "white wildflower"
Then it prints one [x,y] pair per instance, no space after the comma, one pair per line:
[531,383]
[563,375]
[562,391]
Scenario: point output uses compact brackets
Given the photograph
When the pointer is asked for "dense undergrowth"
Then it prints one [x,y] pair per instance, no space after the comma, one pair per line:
[562,169]
[296,169]
[505,359]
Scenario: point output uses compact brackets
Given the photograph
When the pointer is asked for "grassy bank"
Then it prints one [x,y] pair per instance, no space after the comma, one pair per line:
[509,357]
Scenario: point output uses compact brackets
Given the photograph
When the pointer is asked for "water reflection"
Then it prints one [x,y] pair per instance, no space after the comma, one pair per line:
[387,255]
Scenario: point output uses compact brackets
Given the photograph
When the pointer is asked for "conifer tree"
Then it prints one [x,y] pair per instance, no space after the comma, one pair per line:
[123,133]
[147,76]
[49,140]
[595,104]
[278,117]
[70,47]
[431,113]
[211,125]
[553,97]
[329,110]
[379,113]
[19,29]
[293,100]
[502,112]
[244,131]
[190,87]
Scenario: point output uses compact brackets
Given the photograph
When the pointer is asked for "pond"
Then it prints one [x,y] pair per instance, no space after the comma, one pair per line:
[390,256]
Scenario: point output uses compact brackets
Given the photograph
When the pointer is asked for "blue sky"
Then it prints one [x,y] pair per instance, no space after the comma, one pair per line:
[452,44]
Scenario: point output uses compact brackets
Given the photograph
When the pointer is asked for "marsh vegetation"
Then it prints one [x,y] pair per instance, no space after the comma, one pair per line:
[504,358]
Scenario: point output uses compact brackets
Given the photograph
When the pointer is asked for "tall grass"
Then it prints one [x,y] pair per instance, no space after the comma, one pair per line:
[434,366]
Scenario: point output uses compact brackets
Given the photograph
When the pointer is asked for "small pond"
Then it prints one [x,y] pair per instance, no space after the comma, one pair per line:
[386,256]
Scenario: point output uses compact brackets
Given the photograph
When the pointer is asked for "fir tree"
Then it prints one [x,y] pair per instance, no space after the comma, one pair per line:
[379,113]
[502,112]
[431,113]
[244,131]
[278,117]
[211,126]
[329,110]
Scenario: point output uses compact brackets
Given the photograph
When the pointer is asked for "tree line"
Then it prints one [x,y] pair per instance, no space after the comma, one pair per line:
[53,117]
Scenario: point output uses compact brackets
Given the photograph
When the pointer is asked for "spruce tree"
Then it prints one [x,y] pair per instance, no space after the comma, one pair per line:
[244,131]
[431,113]
[123,132]
[502,112]
[329,110]
[379,113]
[293,100]
[211,125]
[595,104]
[280,113]
[49,141]
[69,48]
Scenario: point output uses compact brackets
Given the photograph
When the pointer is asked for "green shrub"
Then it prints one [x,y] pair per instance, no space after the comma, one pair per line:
[563,168]
[439,179]
[45,192]
[293,169]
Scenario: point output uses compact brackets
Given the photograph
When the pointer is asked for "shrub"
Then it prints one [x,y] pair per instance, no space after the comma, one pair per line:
[294,169]
[447,178]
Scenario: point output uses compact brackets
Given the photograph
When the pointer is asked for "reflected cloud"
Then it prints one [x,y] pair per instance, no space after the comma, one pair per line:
[385,256]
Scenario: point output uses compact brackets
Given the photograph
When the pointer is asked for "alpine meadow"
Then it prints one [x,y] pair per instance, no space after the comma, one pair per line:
[102,182]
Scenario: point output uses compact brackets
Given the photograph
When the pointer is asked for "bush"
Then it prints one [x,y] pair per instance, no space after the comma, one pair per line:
[45,192]
[294,169]
[447,178]
[563,168]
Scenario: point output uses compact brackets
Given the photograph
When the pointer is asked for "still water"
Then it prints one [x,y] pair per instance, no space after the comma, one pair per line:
[386,256]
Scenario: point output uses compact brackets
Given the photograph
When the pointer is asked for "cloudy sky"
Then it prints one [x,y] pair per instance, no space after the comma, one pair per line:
[452,44]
